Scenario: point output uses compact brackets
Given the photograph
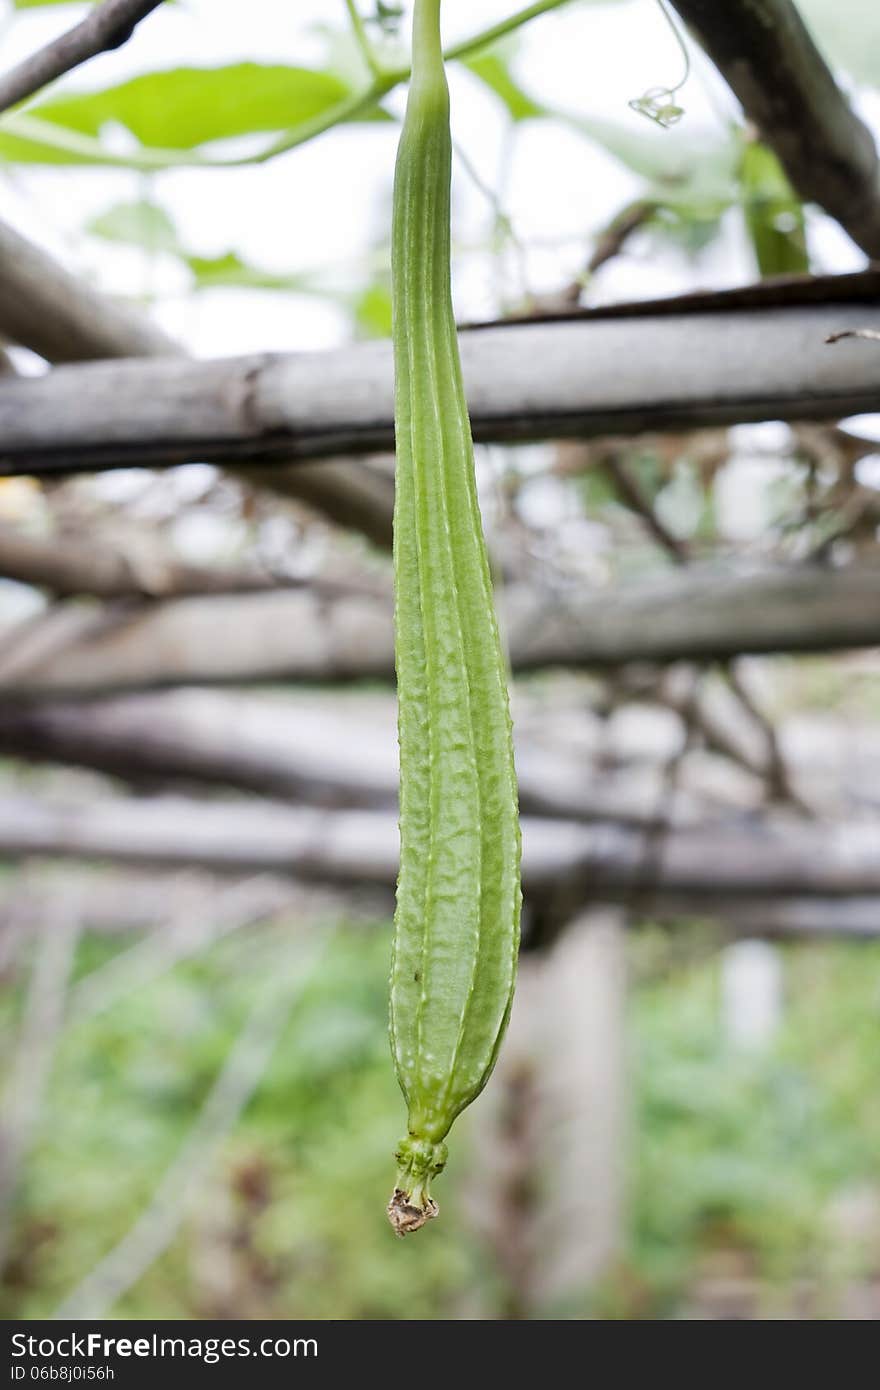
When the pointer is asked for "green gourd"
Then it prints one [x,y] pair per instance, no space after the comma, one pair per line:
[456,929]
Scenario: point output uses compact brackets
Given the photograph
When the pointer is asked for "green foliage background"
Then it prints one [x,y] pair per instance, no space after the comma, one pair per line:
[734,1152]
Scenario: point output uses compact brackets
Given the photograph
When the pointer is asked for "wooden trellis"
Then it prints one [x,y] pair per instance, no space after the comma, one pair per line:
[123,394]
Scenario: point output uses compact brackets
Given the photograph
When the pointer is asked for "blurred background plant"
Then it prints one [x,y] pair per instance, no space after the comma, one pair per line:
[753,1172]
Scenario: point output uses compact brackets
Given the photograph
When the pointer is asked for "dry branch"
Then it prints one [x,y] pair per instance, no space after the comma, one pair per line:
[578,378]
[869,335]
[765,52]
[699,614]
[45,308]
[108,26]
[326,752]
[67,567]
[339,749]
[355,493]
[771,765]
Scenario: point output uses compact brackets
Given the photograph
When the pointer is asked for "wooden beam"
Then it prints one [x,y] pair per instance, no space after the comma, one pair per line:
[121,900]
[45,308]
[563,861]
[312,748]
[68,566]
[108,26]
[702,613]
[781,918]
[574,378]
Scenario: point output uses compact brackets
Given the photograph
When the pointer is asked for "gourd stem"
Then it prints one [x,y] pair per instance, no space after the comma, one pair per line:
[411,1205]
[427,50]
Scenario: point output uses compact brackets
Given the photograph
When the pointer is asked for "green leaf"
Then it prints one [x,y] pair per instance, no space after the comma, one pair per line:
[183,108]
[494,72]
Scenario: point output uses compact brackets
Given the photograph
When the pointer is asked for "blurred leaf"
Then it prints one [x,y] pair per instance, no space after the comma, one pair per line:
[773,214]
[372,310]
[690,229]
[149,226]
[141,223]
[212,272]
[682,169]
[494,72]
[182,108]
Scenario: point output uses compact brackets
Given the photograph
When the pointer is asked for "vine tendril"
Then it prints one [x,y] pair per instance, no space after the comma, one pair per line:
[658,103]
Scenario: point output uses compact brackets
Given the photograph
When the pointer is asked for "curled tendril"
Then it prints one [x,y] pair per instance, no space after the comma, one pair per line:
[658,103]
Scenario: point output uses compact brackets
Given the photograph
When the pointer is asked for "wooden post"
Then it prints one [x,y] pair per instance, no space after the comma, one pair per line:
[580,1222]
[550,1137]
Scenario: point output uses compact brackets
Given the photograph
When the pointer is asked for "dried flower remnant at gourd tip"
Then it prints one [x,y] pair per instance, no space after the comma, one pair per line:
[456,928]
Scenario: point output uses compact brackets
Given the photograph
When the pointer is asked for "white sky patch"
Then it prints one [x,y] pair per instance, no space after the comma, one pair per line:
[867,471]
